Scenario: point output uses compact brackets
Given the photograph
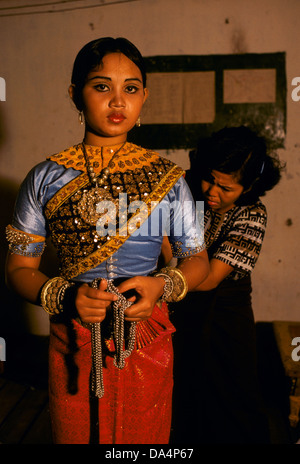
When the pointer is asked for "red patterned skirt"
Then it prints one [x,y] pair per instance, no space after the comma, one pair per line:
[137,403]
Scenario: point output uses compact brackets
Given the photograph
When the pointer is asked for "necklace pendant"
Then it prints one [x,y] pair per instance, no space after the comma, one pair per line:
[87,206]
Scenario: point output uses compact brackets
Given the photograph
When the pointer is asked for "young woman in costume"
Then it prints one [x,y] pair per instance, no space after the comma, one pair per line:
[110,354]
[221,402]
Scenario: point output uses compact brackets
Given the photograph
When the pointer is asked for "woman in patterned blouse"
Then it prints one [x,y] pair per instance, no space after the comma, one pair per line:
[230,171]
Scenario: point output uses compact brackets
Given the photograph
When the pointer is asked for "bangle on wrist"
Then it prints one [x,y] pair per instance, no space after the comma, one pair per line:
[168,287]
[176,287]
[53,294]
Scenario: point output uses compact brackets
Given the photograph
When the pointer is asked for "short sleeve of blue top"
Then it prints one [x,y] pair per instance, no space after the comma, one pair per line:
[175,216]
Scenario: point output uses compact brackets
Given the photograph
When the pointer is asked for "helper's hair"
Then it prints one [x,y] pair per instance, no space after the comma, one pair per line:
[238,151]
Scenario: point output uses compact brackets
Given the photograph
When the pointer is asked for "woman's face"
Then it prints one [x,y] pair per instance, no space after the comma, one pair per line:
[113,97]
[221,191]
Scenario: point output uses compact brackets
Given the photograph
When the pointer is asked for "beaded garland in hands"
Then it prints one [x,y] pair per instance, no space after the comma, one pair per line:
[119,306]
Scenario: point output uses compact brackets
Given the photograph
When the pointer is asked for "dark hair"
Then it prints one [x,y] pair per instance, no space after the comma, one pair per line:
[91,55]
[238,151]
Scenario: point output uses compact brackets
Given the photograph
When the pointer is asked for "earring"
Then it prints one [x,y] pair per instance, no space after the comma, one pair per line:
[80,117]
[138,123]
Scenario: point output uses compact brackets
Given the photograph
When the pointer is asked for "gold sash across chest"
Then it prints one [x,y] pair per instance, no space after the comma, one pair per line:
[142,174]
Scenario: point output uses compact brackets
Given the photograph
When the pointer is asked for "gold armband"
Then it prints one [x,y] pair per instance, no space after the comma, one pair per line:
[19,241]
[52,295]
[176,287]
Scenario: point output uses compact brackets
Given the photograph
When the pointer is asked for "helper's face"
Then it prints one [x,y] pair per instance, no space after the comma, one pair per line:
[113,97]
[221,191]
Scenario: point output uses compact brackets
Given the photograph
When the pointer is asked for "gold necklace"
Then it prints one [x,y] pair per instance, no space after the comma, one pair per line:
[91,197]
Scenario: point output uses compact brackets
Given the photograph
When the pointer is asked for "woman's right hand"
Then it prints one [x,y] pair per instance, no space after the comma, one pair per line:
[92,303]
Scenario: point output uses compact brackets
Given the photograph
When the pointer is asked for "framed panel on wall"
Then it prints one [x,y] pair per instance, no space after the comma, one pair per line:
[192,96]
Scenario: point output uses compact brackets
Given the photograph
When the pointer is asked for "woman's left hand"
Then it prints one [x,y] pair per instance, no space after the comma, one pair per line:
[148,290]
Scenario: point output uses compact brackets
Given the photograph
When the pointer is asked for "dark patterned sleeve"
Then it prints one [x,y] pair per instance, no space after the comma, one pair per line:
[242,244]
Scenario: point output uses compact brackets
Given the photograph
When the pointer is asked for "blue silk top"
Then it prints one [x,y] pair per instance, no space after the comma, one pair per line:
[140,252]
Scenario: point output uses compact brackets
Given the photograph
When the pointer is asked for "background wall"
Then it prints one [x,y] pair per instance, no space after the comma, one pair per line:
[37,49]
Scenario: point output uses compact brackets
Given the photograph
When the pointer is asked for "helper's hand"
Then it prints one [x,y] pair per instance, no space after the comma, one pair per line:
[148,290]
[92,303]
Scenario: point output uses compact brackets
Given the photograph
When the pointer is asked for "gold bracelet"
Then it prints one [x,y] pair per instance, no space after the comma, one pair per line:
[168,287]
[180,286]
[52,295]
